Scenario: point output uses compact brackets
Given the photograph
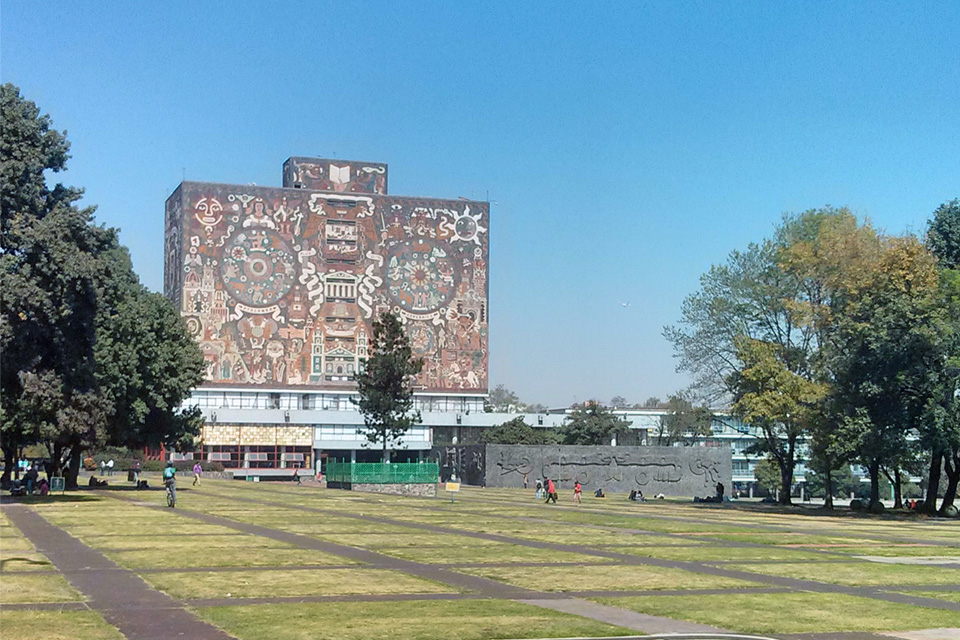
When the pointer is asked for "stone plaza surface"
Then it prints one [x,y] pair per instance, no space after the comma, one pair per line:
[249,560]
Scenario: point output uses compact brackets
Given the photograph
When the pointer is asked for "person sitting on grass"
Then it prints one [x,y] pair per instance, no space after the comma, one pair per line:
[599,493]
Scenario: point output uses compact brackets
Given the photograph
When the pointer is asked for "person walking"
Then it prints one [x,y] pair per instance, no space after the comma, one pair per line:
[577,491]
[110,467]
[524,481]
[551,492]
[197,472]
[103,468]
[539,493]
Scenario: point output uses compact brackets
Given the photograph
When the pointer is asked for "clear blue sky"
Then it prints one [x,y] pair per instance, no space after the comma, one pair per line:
[625,147]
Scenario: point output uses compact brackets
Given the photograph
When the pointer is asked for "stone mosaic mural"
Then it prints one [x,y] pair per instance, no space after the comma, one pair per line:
[280,286]
[673,471]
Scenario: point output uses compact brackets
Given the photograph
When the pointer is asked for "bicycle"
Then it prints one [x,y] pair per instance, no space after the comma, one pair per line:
[171,494]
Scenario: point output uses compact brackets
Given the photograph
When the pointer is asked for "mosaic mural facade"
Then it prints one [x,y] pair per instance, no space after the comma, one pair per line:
[280,286]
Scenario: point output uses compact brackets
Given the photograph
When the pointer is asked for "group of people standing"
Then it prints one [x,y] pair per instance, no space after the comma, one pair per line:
[547,489]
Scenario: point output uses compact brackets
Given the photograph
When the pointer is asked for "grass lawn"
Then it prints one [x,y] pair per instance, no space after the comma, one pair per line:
[267,583]
[487,553]
[442,620]
[148,558]
[181,542]
[856,573]
[56,625]
[902,550]
[714,553]
[605,578]
[38,587]
[952,596]
[412,538]
[20,560]
[789,612]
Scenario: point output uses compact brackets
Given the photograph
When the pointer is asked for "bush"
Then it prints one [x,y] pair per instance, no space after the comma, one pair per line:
[877,507]
[951,511]
[856,504]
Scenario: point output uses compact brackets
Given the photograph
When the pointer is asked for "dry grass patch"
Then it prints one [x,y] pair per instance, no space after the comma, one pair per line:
[789,612]
[221,557]
[21,560]
[708,553]
[445,620]
[56,625]
[39,587]
[855,573]
[490,553]
[182,542]
[409,539]
[250,584]
[609,577]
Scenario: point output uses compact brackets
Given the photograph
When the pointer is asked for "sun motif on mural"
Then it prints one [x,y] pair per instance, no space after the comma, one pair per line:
[420,276]
[466,226]
[257,267]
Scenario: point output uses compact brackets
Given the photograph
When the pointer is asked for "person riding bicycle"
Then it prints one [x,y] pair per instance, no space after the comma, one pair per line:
[170,480]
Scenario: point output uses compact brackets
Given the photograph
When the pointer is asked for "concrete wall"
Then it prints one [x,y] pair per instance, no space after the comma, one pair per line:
[673,471]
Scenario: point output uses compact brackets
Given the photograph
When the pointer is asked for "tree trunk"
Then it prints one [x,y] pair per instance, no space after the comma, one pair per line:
[828,490]
[786,483]
[951,464]
[897,489]
[874,483]
[895,483]
[933,483]
[73,468]
[9,464]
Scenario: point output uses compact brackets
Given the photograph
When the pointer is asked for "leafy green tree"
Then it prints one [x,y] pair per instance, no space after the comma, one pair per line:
[75,324]
[502,400]
[618,402]
[842,482]
[940,432]
[683,422]
[652,402]
[768,395]
[943,234]
[888,330]
[385,385]
[517,431]
[767,474]
[592,425]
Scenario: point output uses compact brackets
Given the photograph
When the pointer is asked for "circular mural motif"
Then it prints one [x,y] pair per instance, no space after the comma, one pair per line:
[257,267]
[466,228]
[420,276]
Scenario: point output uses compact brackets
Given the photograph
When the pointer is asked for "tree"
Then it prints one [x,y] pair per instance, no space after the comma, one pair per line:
[842,482]
[517,431]
[68,288]
[385,385]
[618,402]
[502,400]
[941,428]
[767,474]
[592,425]
[886,349]
[768,395]
[943,234]
[683,422]
[652,402]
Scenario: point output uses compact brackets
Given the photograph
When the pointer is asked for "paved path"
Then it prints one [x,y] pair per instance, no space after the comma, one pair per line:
[119,595]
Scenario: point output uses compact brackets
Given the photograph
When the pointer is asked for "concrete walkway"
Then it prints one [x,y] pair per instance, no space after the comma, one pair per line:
[119,595]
